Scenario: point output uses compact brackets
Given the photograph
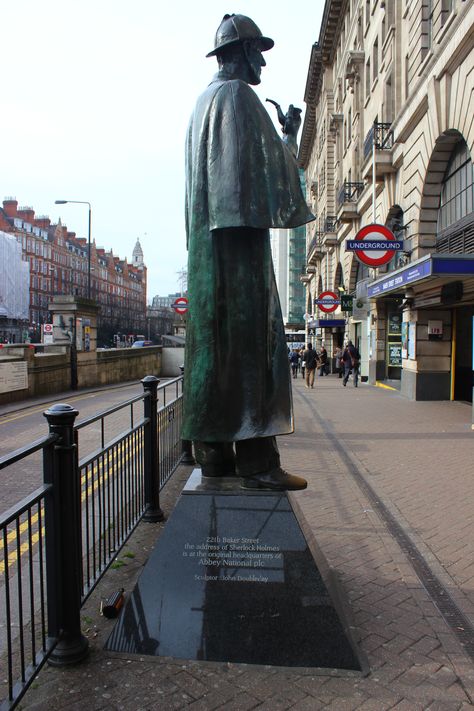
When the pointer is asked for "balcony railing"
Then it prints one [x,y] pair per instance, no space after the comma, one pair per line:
[382,135]
[315,245]
[349,192]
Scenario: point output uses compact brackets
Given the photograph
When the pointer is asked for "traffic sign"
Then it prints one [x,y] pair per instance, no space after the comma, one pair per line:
[180,305]
[374,245]
[327,301]
[47,328]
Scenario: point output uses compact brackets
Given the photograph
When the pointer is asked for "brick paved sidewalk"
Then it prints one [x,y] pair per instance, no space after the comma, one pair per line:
[391,504]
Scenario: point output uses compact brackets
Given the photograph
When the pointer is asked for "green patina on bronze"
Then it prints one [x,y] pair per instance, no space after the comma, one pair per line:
[241,180]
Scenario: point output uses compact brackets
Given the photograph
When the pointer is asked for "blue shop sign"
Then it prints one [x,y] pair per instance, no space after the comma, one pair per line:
[431,265]
[407,276]
[331,322]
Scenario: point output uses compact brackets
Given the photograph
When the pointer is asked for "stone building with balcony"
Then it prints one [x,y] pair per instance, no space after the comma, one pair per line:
[388,138]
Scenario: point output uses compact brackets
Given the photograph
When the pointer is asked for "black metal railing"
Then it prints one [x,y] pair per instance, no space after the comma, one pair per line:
[382,135]
[349,192]
[56,544]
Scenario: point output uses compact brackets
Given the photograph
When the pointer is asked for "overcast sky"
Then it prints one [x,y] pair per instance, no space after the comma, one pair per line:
[96,98]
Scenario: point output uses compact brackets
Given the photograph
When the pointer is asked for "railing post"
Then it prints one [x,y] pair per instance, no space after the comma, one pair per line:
[63,540]
[153,511]
[186,444]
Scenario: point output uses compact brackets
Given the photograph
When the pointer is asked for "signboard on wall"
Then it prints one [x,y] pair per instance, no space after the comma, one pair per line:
[13,376]
[412,341]
[395,354]
[405,339]
[394,323]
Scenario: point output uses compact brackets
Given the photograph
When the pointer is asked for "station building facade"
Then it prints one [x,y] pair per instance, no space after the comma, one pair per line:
[388,138]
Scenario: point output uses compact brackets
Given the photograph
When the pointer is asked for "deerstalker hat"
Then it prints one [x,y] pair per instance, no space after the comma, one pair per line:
[237,28]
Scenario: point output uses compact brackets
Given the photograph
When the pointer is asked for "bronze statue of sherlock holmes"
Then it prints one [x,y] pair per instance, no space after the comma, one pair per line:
[241,180]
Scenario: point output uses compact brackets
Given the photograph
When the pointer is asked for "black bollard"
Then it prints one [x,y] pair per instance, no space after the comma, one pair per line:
[63,540]
[153,511]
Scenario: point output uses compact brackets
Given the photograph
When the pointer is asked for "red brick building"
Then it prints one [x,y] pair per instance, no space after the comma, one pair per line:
[59,265]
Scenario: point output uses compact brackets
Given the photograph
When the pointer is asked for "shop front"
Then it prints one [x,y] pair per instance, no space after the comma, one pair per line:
[427,313]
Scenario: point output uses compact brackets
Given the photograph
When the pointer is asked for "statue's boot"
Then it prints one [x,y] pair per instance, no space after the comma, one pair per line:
[274,480]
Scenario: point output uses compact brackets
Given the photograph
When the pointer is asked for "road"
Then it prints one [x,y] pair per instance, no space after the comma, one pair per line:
[22,426]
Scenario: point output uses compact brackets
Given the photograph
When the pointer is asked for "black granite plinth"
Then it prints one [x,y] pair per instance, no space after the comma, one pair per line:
[232,579]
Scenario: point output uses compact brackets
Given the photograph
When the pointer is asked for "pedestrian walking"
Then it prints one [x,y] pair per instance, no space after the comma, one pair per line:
[339,363]
[311,359]
[303,363]
[351,359]
[294,359]
[323,362]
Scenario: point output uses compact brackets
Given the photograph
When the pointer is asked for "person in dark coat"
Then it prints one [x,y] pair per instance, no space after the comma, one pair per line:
[323,361]
[294,361]
[311,360]
[351,360]
[241,180]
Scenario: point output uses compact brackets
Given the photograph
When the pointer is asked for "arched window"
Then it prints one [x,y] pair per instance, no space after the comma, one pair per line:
[457,194]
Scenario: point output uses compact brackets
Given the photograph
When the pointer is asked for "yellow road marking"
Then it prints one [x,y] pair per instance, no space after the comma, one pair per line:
[24,547]
[101,478]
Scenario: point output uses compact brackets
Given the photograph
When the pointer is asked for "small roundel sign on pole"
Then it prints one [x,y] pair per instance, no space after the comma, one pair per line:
[374,245]
[181,305]
[327,301]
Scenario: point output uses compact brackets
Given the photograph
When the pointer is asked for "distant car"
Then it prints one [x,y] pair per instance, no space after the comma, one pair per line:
[142,344]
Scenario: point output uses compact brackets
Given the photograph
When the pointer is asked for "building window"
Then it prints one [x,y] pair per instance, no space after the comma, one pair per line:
[446,9]
[427,25]
[367,79]
[457,194]
[389,104]
[389,13]
[375,59]
[360,30]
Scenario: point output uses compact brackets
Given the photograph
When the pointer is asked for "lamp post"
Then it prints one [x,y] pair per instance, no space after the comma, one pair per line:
[83,202]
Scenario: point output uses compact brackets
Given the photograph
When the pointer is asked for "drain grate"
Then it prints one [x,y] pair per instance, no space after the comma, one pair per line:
[456,620]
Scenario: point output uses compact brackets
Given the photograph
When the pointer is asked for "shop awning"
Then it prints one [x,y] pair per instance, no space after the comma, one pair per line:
[431,266]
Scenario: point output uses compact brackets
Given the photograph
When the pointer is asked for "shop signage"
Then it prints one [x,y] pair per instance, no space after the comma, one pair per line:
[331,322]
[407,276]
[395,354]
[327,301]
[374,245]
[181,305]
[412,340]
[405,339]
[346,302]
[394,323]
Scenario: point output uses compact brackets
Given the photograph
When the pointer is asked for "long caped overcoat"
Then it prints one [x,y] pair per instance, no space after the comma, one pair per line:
[241,180]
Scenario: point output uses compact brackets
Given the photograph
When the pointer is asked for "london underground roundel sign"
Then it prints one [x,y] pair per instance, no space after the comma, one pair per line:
[377,251]
[327,301]
[181,305]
